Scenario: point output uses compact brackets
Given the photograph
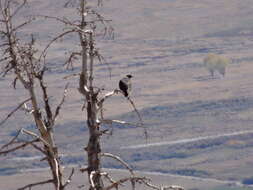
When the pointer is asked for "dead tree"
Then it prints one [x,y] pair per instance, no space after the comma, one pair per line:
[86,31]
[94,100]
[18,59]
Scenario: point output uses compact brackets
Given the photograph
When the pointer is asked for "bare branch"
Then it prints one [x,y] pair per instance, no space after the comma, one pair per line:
[72,75]
[91,178]
[35,135]
[69,3]
[102,60]
[101,19]
[139,116]
[111,121]
[45,98]
[23,24]
[29,186]
[71,24]
[107,176]
[69,178]
[142,180]
[83,169]
[123,180]
[135,109]
[27,109]
[152,185]
[18,147]
[18,8]
[57,111]
[64,21]
[73,56]
[54,40]
[15,82]
[106,96]
[119,160]
[12,112]
[116,91]
[11,141]
[93,173]
[38,148]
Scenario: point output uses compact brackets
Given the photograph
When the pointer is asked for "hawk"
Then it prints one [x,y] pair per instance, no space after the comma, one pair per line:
[125,85]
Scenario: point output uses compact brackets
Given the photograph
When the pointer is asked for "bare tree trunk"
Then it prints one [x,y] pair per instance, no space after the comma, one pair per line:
[51,149]
[93,149]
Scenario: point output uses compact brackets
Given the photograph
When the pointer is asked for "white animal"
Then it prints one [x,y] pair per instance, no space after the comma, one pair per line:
[214,62]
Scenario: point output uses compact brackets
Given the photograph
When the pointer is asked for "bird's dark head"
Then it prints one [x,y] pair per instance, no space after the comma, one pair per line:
[129,76]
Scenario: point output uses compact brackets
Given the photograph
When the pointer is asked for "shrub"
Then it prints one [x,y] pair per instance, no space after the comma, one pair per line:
[214,62]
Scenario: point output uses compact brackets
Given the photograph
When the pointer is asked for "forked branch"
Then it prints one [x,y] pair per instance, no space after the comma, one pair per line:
[70,61]
[36,136]
[112,93]
[106,96]
[18,147]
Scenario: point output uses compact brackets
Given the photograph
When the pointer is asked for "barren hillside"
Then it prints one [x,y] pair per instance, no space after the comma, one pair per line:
[163,44]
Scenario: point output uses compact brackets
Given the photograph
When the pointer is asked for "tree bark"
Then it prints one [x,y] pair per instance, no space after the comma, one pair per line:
[94,148]
[47,135]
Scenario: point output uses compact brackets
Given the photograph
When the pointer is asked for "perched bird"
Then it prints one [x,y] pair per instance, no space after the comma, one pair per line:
[125,85]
